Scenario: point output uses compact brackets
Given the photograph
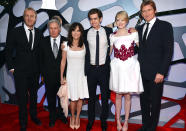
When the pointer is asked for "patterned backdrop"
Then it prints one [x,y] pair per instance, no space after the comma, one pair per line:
[76,10]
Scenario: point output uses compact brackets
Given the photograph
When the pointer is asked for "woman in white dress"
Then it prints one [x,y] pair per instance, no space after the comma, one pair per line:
[125,77]
[74,52]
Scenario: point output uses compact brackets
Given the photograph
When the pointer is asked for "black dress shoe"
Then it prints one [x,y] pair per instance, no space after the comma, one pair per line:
[51,123]
[89,126]
[63,119]
[142,129]
[104,129]
[23,129]
[103,125]
[36,121]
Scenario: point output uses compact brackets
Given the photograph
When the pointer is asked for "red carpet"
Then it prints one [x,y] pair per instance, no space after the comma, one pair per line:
[9,119]
[9,122]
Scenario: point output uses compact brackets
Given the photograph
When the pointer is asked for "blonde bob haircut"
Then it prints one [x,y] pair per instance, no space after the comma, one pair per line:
[31,9]
[123,15]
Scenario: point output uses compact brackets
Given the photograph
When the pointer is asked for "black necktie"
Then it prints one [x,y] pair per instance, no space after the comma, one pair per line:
[145,33]
[55,48]
[97,48]
[30,39]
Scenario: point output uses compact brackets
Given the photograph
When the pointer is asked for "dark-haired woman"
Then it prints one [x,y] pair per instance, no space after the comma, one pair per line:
[74,51]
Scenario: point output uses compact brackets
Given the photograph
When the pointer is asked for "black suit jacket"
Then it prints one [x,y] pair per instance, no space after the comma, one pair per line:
[155,56]
[2,58]
[18,54]
[87,56]
[49,65]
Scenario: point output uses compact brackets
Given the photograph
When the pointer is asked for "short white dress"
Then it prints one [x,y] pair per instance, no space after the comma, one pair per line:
[125,76]
[76,79]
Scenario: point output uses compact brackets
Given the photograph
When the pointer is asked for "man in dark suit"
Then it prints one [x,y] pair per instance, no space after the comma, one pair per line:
[155,54]
[50,58]
[22,57]
[97,65]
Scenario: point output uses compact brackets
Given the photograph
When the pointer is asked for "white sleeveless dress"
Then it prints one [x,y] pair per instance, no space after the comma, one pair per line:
[76,79]
[125,76]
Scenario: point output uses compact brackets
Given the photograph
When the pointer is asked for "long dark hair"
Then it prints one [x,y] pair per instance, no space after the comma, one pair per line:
[72,28]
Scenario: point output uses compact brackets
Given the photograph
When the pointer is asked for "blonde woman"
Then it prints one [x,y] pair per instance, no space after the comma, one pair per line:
[125,77]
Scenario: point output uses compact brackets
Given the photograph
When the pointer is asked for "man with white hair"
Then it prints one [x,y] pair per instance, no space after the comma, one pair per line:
[50,59]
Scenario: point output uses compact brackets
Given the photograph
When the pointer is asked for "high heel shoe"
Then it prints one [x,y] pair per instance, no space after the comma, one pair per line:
[71,123]
[77,124]
[119,126]
[125,126]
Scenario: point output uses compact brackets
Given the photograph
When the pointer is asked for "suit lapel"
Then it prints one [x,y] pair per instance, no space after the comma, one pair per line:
[140,31]
[59,50]
[24,34]
[35,39]
[26,39]
[152,29]
[49,48]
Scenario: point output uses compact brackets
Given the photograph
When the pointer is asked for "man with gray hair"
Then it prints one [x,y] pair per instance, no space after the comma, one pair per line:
[50,59]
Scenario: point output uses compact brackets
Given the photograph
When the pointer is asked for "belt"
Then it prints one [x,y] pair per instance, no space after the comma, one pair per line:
[97,65]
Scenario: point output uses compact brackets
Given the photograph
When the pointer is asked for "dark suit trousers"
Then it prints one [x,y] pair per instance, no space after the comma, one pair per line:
[26,89]
[150,101]
[98,76]
[52,84]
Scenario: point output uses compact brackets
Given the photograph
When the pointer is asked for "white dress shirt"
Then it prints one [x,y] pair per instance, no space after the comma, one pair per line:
[28,33]
[103,45]
[57,41]
[151,23]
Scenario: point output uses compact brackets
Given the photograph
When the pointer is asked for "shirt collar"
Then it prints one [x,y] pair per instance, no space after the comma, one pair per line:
[98,29]
[26,27]
[152,21]
[57,38]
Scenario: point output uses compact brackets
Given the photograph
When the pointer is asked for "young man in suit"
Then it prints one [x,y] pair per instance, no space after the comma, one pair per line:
[97,64]
[50,59]
[22,57]
[155,54]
